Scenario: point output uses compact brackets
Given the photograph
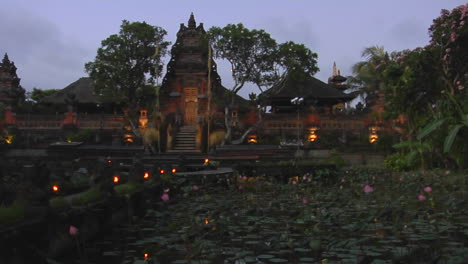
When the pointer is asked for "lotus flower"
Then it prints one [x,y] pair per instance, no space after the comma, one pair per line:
[195,188]
[165,197]
[305,201]
[368,189]
[421,197]
[343,180]
[293,182]
[73,231]
[428,189]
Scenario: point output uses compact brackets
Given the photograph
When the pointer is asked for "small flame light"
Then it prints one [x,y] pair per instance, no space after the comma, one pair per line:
[174,170]
[207,161]
[9,140]
[373,136]
[55,188]
[146,175]
[312,135]
[252,139]
[206,221]
[162,171]
[146,255]
[116,179]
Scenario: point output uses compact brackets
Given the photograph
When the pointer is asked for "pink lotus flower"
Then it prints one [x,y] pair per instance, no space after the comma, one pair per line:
[305,201]
[293,182]
[421,197]
[428,189]
[165,197]
[195,188]
[73,231]
[368,189]
[343,180]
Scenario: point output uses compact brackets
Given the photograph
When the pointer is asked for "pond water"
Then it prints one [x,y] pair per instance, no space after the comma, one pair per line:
[269,223]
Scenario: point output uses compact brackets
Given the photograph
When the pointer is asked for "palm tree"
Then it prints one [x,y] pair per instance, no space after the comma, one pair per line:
[368,74]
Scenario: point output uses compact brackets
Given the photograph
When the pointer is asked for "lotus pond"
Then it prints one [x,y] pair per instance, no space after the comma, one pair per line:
[366,216]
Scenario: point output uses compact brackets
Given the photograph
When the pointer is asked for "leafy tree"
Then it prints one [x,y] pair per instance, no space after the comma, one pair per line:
[250,53]
[292,56]
[38,94]
[427,85]
[127,61]
[256,58]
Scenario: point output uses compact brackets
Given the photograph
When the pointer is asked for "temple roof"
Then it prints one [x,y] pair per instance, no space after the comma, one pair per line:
[82,89]
[301,84]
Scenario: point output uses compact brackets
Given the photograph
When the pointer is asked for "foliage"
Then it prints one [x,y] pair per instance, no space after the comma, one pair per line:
[250,53]
[58,202]
[126,188]
[87,197]
[38,94]
[125,60]
[398,162]
[216,137]
[150,136]
[368,77]
[342,221]
[292,56]
[426,86]
[85,135]
[12,213]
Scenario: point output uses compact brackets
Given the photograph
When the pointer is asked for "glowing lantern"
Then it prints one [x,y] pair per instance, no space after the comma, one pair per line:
[146,255]
[207,161]
[116,179]
[373,137]
[252,139]
[206,221]
[312,135]
[128,138]
[9,139]
[146,175]
[55,188]
[162,171]
[174,170]
[143,118]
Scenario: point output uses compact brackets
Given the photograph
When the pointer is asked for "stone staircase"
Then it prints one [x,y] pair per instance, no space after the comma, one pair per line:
[185,140]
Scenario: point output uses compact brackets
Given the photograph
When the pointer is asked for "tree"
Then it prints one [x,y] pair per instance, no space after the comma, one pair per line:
[128,61]
[427,85]
[250,53]
[256,58]
[368,77]
[38,94]
[291,56]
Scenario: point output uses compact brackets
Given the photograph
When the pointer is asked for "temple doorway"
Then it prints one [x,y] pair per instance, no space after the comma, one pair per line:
[191,107]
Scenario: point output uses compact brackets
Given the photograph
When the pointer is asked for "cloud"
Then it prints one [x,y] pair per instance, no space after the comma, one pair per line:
[44,55]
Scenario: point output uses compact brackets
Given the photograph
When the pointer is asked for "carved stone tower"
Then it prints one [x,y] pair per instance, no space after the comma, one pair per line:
[184,89]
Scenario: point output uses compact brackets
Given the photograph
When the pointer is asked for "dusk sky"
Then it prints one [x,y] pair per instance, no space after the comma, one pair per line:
[51,40]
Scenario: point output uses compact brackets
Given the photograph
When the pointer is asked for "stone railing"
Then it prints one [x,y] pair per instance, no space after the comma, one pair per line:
[56,121]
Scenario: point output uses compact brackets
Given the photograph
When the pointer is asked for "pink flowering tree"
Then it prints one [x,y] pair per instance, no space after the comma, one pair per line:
[449,40]
[428,87]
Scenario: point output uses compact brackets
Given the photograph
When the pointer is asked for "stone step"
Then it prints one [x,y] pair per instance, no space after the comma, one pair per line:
[184,151]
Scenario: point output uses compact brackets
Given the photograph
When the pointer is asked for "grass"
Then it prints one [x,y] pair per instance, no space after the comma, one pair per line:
[12,214]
